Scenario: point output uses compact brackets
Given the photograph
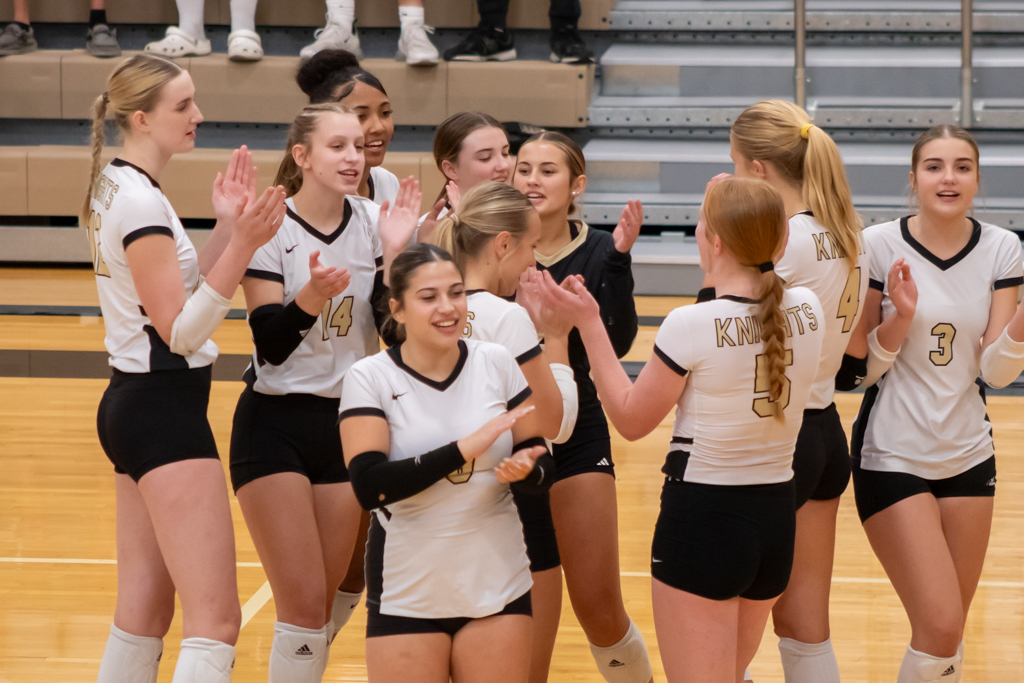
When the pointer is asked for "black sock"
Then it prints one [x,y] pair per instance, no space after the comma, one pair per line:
[97,16]
[493,20]
[23,25]
[563,24]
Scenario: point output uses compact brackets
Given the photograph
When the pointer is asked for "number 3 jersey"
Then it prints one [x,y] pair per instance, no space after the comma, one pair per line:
[926,415]
[344,331]
[725,427]
[813,259]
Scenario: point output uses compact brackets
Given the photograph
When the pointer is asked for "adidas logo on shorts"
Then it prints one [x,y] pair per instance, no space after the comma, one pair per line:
[616,663]
[603,462]
[991,482]
[304,651]
[949,672]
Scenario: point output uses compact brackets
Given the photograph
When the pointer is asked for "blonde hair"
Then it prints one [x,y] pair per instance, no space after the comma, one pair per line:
[135,85]
[781,133]
[750,219]
[486,211]
[570,150]
[453,131]
[289,175]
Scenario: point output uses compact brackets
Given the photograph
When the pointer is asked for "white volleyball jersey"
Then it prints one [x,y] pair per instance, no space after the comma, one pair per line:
[493,319]
[455,549]
[725,417]
[384,186]
[128,204]
[814,259]
[344,331]
[926,415]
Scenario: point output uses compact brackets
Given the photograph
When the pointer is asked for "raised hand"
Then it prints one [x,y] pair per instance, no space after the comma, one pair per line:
[902,289]
[519,466]
[326,282]
[236,187]
[628,229]
[548,323]
[571,301]
[260,219]
[398,221]
[477,443]
[454,196]
[429,222]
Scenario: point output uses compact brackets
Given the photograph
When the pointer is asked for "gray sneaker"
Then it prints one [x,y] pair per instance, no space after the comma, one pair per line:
[101,41]
[17,41]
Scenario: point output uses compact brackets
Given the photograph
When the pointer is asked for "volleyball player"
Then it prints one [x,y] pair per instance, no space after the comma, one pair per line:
[550,171]
[740,369]
[492,237]
[174,532]
[424,428]
[775,141]
[924,469]
[310,293]
[335,76]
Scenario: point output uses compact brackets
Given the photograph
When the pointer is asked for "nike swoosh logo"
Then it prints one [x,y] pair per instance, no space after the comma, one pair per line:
[394,397]
[288,251]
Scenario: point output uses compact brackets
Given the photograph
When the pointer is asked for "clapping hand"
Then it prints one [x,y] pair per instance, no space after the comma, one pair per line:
[236,187]
[477,443]
[902,289]
[326,282]
[519,466]
[628,229]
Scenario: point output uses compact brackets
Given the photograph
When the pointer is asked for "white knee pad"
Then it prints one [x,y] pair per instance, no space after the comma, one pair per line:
[344,606]
[808,662]
[917,667]
[297,655]
[130,659]
[204,661]
[626,661]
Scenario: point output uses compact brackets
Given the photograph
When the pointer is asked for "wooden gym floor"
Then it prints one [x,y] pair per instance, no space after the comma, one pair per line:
[58,574]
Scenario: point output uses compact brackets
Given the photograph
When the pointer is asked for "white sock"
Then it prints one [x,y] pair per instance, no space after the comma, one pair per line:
[344,605]
[341,12]
[130,659]
[204,661]
[410,16]
[918,667]
[747,676]
[190,18]
[243,15]
[807,662]
[955,678]
[297,654]
[626,661]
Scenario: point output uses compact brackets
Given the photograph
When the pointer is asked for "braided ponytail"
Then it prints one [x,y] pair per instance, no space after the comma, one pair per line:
[772,320]
[96,139]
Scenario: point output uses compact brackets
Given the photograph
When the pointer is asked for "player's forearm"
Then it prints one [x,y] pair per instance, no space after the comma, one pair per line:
[892,332]
[612,382]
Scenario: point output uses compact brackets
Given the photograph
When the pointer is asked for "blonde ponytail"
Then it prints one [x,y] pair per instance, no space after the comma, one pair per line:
[750,219]
[96,139]
[444,234]
[781,133]
[289,175]
[485,212]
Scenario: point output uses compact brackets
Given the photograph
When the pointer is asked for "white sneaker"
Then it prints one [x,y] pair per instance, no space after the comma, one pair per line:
[333,37]
[244,46]
[415,48]
[177,43]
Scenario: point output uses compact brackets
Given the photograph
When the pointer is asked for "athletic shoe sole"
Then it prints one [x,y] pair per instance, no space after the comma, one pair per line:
[570,60]
[20,51]
[401,57]
[506,56]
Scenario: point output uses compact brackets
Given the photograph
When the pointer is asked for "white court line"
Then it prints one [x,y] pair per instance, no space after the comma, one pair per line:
[256,603]
[63,560]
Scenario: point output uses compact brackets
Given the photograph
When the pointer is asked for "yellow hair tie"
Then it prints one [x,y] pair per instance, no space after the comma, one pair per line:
[805,130]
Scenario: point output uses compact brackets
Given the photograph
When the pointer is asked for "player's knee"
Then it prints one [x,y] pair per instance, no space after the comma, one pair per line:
[941,634]
[307,608]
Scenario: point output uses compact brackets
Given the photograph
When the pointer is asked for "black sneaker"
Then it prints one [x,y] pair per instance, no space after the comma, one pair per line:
[483,44]
[567,47]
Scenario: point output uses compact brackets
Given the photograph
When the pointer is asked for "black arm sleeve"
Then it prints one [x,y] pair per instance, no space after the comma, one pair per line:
[543,474]
[377,481]
[706,294]
[381,311]
[615,296]
[851,373]
[278,330]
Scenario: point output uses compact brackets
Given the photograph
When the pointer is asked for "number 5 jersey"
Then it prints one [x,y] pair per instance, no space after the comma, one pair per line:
[926,415]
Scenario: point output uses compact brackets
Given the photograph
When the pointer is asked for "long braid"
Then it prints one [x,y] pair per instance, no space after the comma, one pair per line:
[773,334]
[99,114]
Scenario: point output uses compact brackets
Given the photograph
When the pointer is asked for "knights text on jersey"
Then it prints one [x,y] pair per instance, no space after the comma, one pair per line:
[128,204]
[344,331]
[492,319]
[725,417]
[384,186]
[814,259]
[455,549]
[928,418]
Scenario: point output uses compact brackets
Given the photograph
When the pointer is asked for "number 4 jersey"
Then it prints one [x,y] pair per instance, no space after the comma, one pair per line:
[926,415]
[725,419]
[344,332]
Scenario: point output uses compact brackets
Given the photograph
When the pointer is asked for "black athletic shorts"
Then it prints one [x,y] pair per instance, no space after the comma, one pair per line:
[149,419]
[290,433]
[722,542]
[821,463]
[589,449]
[538,530]
[378,624]
[875,491]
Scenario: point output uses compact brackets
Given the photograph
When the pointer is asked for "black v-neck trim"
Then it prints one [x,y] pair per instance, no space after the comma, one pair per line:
[369,184]
[935,260]
[805,212]
[326,239]
[396,355]
[121,163]
[739,299]
[471,292]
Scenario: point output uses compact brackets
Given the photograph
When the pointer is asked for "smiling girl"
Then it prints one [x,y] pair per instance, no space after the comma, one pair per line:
[924,470]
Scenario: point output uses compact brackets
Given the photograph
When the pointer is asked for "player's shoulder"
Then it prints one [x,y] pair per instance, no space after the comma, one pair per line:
[362,208]
[488,353]
[599,239]
[804,223]
[798,296]
[881,232]
[997,236]
[133,185]
[495,305]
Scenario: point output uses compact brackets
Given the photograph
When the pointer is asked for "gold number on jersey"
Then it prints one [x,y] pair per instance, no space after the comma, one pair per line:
[463,474]
[946,333]
[340,320]
[849,302]
[467,331]
[764,406]
[92,229]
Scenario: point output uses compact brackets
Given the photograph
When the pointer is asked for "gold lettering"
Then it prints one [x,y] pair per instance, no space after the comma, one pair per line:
[745,330]
[795,312]
[819,246]
[809,312]
[722,332]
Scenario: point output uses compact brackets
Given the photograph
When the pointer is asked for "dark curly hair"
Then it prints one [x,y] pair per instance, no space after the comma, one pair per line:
[327,70]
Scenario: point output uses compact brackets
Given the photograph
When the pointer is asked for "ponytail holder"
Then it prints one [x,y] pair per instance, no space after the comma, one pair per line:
[805,130]
[106,98]
[766,267]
